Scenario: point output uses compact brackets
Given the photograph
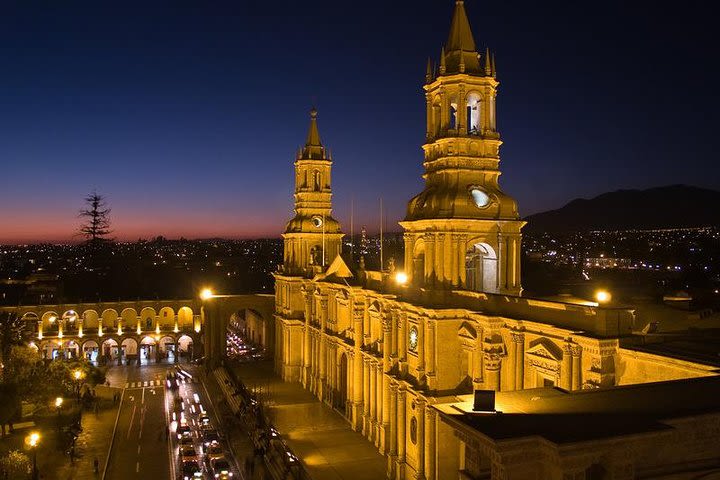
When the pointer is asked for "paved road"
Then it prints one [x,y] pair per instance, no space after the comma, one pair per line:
[140,447]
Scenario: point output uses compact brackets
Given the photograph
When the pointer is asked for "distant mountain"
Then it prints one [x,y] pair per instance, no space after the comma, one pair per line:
[673,206]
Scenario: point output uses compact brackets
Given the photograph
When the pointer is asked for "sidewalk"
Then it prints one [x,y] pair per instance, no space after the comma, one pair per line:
[318,435]
[235,435]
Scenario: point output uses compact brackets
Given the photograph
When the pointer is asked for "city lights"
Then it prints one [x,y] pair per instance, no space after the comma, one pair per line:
[206,294]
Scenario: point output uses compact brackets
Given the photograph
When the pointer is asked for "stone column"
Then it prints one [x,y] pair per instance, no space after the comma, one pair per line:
[492,371]
[519,342]
[392,432]
[421,348]
[366,396]
[420,416]
[385,378]
[429,259]
[430,355]
[357,368]
[307,359]
[430,443]
[401,438]
[39,330]
[379,405]
[429,120]
[566,368]
[576,351]
[373,397]
[323,313]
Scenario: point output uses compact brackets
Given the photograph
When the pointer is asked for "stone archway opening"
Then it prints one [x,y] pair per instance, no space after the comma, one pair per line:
[91,351]
[481,268]
[110,351]
[129,350]
[148,351]
[185,347]
[167,348]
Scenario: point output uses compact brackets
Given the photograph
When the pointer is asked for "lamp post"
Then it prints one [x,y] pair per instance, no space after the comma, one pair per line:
[32,441]
[58,406]
[78,376]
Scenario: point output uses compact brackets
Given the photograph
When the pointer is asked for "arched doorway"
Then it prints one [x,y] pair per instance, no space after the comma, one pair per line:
[71,349]
[129,349]
[148,350]
[110,351]
[166,347]
[91,351]
[481,268]
[185,347]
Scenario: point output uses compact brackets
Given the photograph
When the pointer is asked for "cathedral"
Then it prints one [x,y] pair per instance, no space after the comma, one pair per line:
[404,358]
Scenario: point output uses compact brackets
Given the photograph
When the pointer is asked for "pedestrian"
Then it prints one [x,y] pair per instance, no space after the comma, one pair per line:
[96,465]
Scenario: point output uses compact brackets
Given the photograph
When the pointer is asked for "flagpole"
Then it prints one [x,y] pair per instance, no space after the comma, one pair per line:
[381,234]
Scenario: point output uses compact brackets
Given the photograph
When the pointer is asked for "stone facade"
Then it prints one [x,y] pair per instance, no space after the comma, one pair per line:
[385,355]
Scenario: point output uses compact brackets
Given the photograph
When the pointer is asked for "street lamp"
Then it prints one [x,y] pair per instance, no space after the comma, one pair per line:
[32,441]
[206,294]
[78,375]
[603,296]
[58,405]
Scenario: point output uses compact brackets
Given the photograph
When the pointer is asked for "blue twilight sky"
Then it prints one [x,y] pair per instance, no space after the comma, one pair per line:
[186,115]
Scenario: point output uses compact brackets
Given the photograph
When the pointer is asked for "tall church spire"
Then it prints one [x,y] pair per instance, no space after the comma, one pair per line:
[313,147]
[460,52]
[462,230]
[312,238]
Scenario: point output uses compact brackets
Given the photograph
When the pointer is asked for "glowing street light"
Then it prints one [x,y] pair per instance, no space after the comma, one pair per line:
[603,296]
[58,402]
[401,278]
[206,294]
[32,441]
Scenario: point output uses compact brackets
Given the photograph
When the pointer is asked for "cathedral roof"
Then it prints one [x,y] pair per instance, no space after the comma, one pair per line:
[313,148]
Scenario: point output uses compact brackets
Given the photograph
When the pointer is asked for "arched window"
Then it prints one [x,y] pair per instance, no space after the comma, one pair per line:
[481,268]
[316,180]
[473,114]
[453,116]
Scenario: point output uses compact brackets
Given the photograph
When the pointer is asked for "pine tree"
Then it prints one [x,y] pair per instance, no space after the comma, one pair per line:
[96,226]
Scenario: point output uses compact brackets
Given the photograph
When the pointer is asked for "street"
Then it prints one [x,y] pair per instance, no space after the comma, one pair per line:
[139,447]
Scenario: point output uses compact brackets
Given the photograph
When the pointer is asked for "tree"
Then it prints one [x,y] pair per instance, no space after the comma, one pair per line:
[12,329]
[15,464]
[96,219]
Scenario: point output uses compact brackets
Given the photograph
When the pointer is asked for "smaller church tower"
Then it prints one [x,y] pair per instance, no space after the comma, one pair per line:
[312,239]
[462,230]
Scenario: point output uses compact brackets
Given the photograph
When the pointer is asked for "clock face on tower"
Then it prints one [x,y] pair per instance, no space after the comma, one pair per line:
[413,339]
[317,222]
[480,198]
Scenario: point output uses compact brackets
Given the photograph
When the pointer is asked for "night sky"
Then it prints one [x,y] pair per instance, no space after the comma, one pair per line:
[187,115]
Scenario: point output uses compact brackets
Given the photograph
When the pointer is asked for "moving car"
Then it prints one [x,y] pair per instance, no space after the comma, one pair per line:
[184,431]
[214,451]
[191,470]
[188,453]
[220,468]
[210,436]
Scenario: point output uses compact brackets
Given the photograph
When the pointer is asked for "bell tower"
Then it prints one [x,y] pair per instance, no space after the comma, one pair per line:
[312,239]
[462,231]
